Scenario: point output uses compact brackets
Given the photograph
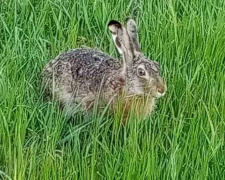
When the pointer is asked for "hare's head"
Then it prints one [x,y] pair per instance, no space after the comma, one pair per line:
[143,75]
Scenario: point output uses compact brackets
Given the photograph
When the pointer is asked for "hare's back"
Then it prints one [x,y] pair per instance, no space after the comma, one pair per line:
[87,57]
[83,67]
[83,62]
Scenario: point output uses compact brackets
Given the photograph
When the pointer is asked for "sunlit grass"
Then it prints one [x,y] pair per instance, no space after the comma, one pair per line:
[184,137]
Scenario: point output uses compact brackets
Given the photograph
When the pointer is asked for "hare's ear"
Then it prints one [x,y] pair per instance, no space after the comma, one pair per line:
[122,41]
[133,33]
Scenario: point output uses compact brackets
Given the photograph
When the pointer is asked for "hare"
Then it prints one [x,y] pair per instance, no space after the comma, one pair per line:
[83,75]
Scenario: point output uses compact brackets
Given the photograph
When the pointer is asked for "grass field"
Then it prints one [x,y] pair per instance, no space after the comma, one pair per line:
[183,138]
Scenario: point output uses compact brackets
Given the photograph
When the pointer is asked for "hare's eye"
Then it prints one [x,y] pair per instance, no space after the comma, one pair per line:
[141,72]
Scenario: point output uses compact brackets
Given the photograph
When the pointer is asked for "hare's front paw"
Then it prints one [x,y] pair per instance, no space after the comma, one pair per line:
[117,83]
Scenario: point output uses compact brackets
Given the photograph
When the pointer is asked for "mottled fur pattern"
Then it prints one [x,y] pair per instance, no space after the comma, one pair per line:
[82,76]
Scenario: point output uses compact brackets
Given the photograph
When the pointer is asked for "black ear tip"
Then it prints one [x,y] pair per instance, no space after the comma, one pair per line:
[115,23]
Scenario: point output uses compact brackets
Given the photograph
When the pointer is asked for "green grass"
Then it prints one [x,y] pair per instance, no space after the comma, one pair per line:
[184,137]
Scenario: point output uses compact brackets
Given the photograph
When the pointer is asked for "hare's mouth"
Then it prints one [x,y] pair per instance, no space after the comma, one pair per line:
[155,91]
[159,95]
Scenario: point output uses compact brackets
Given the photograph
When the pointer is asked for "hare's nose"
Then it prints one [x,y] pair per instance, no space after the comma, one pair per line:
[161,89]
[161,85]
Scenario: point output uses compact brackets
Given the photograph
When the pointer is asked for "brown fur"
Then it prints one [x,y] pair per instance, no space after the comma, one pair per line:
[83,76]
